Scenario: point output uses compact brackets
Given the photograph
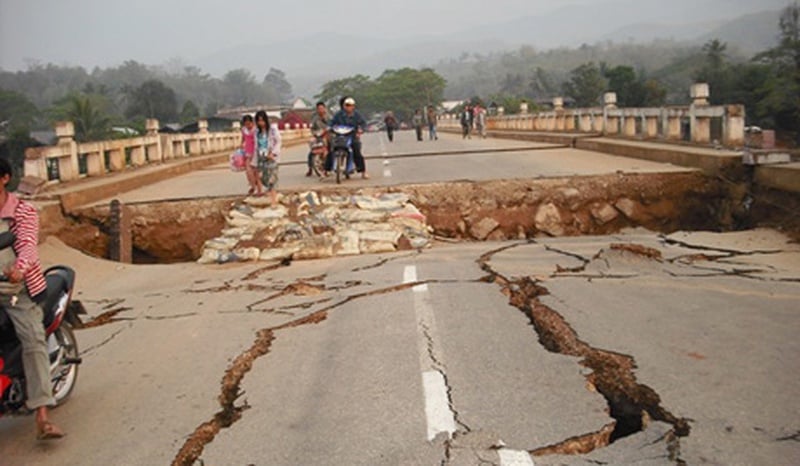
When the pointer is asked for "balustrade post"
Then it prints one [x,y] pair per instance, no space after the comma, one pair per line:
[651,126]
[610,121]
[733,126]
[585,124]
[700,125]
[153,148]
[629,126]
[68,165]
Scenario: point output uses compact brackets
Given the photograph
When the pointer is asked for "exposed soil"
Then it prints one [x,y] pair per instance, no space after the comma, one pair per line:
[492,210]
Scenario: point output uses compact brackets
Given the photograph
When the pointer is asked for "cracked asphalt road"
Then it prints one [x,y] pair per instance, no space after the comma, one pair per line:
[322,362]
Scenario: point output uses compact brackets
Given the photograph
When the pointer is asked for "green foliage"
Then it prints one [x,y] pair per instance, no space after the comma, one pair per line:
[14,151]
[153,99]
[87,113]
[276,82]
[586,85]
[401,91]
[634,90]
[16,111]
[189,113]
[355,86]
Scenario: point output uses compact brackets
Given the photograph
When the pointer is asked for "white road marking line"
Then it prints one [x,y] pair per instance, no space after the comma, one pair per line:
[410,276]
[437,406]
[514,458]
[439,416]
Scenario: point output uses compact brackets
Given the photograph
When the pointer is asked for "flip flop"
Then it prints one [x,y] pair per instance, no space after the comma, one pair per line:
[48,431]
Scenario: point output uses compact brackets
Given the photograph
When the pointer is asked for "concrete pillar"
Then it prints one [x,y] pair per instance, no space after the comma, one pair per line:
[584,123]
[138,156]
[501,111]
[153,151]
[569,121]
[120,241]
[733,126]
[629,127]
[651,127]
[699,92]
[68,164]
[673,123]
[598,121]
[35,163]
[523,108]
[95,162]
[558,103]
[700,126]
[610,122]
[116,159]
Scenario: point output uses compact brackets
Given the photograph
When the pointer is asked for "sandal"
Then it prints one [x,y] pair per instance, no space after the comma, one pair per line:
[251,191]
[48,431]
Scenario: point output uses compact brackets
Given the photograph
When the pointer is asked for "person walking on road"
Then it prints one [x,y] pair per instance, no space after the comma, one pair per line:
[466,122]
[22,295]
[348,116]
[391,124]
[480,120]
[417,122]
[432,122]
[248,146]
[268,146]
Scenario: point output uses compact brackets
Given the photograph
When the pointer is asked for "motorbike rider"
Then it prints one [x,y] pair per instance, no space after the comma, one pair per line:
[24,275]
[319,129]
[348,116]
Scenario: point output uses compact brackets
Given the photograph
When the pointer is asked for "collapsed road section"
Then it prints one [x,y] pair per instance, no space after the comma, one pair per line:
[176,231]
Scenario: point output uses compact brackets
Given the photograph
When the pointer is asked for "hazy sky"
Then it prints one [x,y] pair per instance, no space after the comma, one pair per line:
[107,32]
[104,32]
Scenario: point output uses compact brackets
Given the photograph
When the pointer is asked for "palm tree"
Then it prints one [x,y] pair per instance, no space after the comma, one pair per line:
[91,123]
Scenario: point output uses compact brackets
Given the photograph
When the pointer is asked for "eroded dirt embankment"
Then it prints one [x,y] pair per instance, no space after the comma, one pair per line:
[172,231]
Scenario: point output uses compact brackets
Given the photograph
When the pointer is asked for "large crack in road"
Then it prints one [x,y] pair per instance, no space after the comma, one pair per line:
[230,390]
[630,403]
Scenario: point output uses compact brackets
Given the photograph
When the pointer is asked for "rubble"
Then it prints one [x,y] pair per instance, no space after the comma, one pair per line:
[314,227]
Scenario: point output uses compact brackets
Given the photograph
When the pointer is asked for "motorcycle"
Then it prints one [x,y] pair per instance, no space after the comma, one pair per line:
[343,162]
[60,315]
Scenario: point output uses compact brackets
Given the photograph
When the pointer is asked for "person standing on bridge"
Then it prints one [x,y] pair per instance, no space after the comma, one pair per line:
[417,121]
[432,121]
[391,124]
[23,307]
[466,122]
[348,116]
[268,142]
[480,120]
[249,148]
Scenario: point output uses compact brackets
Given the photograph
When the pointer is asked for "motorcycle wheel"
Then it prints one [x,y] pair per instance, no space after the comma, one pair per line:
[341,162]
[64,375]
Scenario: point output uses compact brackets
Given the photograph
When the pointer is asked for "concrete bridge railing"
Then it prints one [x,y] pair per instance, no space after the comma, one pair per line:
[69,160]
[699,122]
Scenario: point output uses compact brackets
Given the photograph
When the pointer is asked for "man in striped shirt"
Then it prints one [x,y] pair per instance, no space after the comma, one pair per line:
[23,307]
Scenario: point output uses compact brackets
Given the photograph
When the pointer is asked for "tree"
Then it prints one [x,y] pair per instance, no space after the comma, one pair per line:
[276,83]
[586,84]
[189,112]
[87,114]
[153,99]
[239,87]
[782,89]
[354,86]
[716,72]
[405,90]
[632,89]
[16,111]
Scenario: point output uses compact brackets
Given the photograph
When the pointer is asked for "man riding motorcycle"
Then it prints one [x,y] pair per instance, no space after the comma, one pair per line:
[348,116]
[21,295]
[321,142]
